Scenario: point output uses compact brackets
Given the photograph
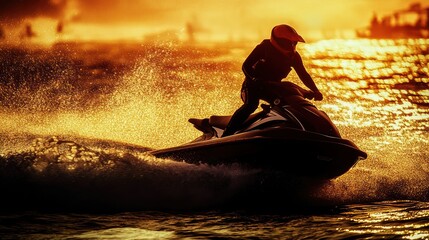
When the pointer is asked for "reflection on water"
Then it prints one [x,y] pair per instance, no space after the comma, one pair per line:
[399,218]
[374,83]
[379,220]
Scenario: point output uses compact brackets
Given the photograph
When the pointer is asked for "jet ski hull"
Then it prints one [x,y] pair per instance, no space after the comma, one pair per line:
[285,149]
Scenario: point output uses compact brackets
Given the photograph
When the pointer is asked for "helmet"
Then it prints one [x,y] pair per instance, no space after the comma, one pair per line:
[285,38]
[286,32]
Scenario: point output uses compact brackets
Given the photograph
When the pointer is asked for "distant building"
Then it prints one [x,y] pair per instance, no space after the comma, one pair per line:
[412,22]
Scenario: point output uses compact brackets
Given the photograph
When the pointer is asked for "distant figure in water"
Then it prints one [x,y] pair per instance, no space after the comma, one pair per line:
[28,32]
[60,27]
[2,34]
[268,63]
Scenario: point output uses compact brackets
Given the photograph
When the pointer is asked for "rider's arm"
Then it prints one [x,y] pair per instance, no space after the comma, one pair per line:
[249,65]
[305,76]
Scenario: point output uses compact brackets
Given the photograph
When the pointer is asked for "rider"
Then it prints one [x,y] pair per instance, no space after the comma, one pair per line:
[270,61]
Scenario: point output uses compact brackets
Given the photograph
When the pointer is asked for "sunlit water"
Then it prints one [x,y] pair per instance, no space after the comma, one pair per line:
[77,120]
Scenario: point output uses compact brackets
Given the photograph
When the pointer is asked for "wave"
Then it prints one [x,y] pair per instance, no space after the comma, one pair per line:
[107,176]
[86,174]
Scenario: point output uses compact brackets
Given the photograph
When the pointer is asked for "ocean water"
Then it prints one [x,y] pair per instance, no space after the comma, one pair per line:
[77,120]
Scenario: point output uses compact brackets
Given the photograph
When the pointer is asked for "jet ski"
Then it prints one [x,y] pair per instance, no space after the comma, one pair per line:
[290,134]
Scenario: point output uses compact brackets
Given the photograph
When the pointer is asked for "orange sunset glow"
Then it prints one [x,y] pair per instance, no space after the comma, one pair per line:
[113,116]
[51,20]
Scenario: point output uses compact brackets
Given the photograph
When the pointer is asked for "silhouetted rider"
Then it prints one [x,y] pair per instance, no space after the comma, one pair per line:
[270,61]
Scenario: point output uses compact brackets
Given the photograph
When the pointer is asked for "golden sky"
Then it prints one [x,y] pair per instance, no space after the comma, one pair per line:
[222,19]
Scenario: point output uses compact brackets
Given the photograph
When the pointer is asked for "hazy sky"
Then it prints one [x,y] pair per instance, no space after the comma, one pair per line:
[221,16]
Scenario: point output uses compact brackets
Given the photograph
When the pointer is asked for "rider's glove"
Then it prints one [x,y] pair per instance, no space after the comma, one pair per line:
[317,96]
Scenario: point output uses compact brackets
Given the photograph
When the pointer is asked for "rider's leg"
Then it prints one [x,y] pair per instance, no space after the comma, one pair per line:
[251,102]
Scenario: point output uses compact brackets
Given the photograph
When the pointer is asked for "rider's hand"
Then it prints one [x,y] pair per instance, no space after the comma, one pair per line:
[308,94]
[318,96]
